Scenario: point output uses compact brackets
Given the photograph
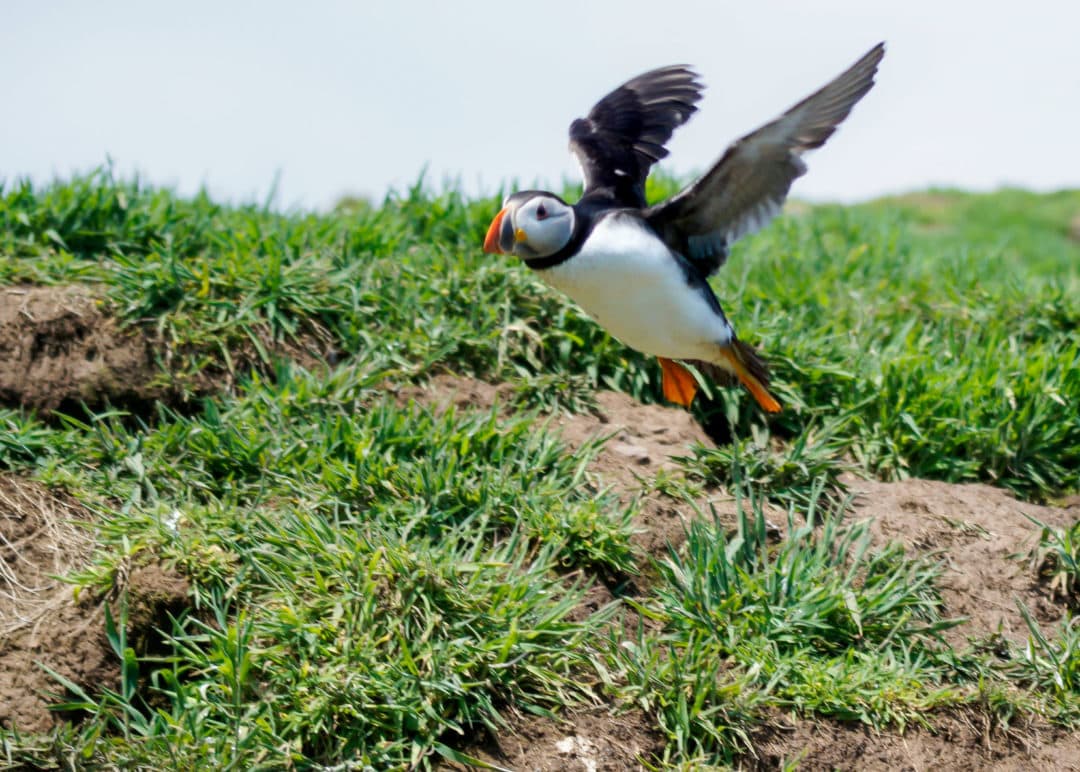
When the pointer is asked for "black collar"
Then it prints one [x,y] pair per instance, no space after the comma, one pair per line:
[587,213]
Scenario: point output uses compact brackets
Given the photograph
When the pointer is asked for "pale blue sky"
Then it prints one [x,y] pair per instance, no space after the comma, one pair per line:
[353,97]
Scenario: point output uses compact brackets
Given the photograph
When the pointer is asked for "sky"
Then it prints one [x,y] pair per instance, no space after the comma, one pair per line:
[358,98]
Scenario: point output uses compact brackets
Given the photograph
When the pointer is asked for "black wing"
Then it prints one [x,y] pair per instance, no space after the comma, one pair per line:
[625,132]
[748,185]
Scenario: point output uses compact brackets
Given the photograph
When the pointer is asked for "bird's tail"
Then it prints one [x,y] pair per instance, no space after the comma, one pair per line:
[742,361]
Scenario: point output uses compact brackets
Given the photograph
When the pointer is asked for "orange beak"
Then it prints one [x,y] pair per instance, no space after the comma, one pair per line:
[491,241]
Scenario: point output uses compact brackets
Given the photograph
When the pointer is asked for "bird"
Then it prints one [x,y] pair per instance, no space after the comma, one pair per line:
[642,271]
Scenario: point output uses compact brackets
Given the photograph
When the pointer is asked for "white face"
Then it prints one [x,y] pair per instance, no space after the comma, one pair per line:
[542,226]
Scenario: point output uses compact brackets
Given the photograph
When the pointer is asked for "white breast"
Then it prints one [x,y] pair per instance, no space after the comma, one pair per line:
[625,278]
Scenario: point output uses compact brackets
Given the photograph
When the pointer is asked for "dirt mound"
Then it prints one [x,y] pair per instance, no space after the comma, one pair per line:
[57,347]
[41,624]
[446,390]
[982,534]
[39,620]
[644,437]
[589,741]
[641,441]
[978,530]
[959,741]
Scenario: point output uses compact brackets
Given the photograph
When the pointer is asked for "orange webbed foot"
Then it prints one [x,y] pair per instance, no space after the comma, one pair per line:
[678,383]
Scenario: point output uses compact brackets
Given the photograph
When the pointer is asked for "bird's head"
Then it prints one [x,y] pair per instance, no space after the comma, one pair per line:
[531,224]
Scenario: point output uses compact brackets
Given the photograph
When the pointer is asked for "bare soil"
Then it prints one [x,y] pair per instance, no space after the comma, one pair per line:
[589,740]
[959,742]
[60,348]
[641,441]
[983,536]
[44,536]
[57,347]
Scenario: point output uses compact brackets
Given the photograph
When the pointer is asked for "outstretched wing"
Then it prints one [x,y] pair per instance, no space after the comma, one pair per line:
[625,132]
[748,185]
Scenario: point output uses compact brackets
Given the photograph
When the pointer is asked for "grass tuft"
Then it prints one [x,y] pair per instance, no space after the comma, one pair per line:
[1057,559]
[819,623]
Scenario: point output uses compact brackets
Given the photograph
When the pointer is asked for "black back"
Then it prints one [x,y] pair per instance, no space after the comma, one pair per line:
[625,132]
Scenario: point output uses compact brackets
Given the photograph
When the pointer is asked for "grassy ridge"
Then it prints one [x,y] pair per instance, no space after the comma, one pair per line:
[373,581]
[945,335]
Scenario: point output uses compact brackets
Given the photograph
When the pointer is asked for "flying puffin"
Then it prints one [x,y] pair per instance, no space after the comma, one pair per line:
[642,271]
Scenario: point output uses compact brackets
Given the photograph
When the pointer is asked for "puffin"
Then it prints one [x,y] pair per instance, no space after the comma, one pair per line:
[642,271]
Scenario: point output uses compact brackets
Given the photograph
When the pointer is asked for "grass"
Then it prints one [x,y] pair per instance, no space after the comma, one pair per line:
[1051,665]
[818,623]
[1057,558]
[407,574]
[898,304]
[378,582]
[787,473]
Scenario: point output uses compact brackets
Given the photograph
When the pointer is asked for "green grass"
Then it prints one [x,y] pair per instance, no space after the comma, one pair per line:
[375,581]
[818,624]
[787,473]
[946,334]
[1057,558]
[368,578]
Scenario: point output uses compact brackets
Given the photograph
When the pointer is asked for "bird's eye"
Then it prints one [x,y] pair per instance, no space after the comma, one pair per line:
[541,212]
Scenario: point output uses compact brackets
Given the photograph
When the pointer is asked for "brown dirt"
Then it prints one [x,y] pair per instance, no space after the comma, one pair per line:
[983,537]
[642,440]
[978,530]
[644,437]
[57,347]
[589,741]
[959,741]
[41,624]
[445,390]
[60,348]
